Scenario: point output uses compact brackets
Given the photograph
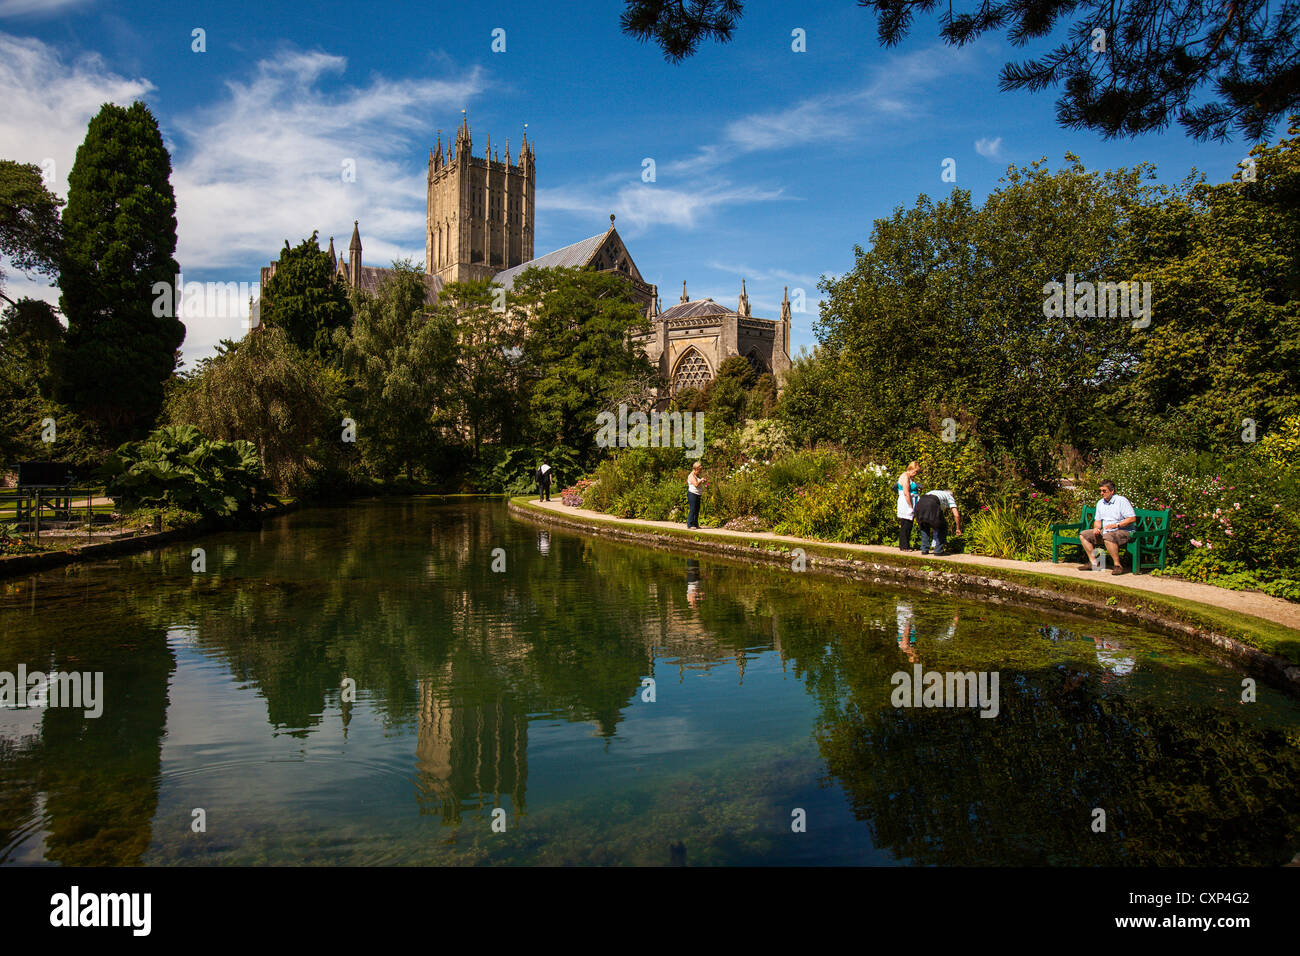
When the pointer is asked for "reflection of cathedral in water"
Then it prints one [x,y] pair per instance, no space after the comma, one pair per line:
[469,754]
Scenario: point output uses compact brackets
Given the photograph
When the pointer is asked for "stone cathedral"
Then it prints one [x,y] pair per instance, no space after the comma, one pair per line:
[479,225]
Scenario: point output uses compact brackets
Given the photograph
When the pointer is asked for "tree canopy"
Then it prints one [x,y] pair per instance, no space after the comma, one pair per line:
[305,298]
[30,230]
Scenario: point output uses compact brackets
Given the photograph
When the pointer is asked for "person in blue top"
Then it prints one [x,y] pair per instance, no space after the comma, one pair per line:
[1112,527]
[909,492]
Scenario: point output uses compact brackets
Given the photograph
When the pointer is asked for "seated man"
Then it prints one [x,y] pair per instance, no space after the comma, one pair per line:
[931,514]
[1112,527]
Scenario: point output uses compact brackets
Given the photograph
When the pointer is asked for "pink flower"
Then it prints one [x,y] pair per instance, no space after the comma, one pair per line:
[1195,543]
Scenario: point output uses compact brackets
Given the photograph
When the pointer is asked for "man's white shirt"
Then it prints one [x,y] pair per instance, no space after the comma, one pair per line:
[1111,513]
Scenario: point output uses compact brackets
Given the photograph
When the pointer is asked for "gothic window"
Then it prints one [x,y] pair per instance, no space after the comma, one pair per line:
[692,371]
[755,362]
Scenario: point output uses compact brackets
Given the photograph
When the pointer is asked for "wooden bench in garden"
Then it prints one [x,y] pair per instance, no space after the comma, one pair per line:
[1146,548]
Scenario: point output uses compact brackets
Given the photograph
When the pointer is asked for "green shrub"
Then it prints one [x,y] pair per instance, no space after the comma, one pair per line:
[1280,448]
[804,469]
[1009,530]
[1205,566]
[740,494]
[176,467]
[858,507]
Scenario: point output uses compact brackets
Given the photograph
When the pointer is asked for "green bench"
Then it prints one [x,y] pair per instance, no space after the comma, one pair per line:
[1146,548]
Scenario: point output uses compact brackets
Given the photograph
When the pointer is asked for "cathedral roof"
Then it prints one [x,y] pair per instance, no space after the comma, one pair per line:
[694,309]
[372,276]
[579,254]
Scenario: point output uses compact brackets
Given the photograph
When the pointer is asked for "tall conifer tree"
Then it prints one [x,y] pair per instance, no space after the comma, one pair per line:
[119,240]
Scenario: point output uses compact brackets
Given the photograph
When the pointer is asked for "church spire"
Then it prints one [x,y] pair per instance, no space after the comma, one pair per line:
[684,298]
[354,256]
[463,142]
[785,321]
[333,258]
[742,306]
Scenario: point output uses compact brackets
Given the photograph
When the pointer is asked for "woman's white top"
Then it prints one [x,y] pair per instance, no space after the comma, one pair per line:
[905,501]
[692,487]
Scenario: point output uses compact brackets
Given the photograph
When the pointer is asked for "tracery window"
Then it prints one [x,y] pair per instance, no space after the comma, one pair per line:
[692,371]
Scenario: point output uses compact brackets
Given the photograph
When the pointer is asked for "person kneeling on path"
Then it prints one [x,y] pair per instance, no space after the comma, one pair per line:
[543,476]
[1112,527]
[931,515]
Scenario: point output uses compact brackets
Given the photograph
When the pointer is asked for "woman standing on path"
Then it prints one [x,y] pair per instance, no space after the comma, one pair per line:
[694,487]
[908,494]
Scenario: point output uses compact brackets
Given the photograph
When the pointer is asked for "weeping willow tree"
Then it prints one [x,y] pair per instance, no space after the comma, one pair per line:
[267,391]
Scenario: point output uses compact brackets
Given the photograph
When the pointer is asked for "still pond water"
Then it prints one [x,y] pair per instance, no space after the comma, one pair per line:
[519,696]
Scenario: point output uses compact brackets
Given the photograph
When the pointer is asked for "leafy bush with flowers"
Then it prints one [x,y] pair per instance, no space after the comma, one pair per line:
[572,497]
[858,506]
[1235,522]
[763,439]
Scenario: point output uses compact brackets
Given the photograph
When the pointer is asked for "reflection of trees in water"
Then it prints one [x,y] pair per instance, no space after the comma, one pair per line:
[401,598]
[1179,787]
[90,783]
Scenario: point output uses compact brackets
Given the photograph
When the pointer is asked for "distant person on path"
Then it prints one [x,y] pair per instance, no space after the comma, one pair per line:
[1113,527]
[931,514]
[544,475]
[694,488]
[908,494]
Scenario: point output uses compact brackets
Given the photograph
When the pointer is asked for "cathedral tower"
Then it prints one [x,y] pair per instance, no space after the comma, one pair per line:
[480,209]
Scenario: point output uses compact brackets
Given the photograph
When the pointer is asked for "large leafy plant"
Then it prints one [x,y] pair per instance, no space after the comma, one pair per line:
[177,466]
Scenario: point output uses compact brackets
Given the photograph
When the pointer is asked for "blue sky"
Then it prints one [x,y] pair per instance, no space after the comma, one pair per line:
[769,163]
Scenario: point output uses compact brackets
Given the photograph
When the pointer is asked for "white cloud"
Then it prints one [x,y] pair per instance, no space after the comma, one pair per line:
[752,274]
[48,102]
[895,91]
[639,206]
[990,148]
[22,8]
[266,163]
